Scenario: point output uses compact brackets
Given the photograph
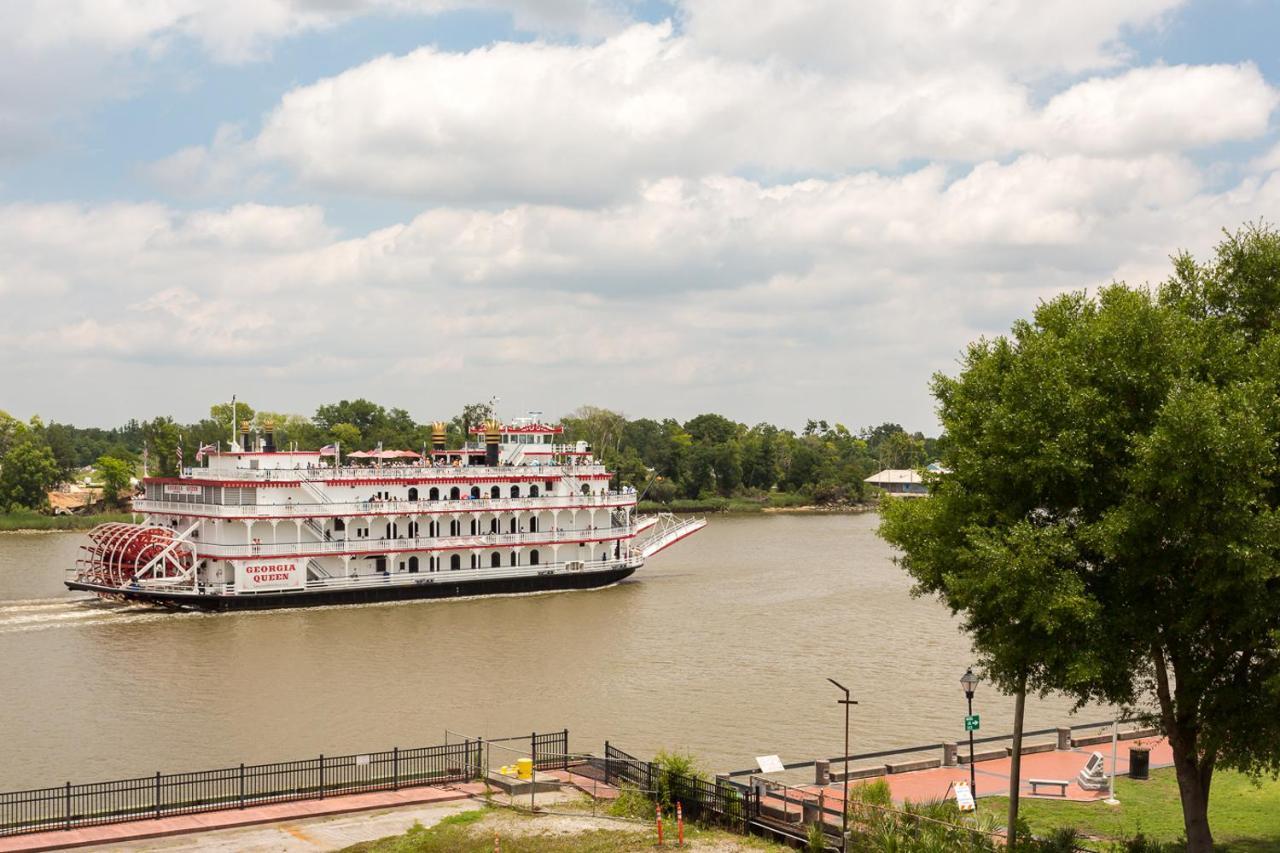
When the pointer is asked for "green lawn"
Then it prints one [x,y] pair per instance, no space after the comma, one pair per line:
[1245,818]
[25,520]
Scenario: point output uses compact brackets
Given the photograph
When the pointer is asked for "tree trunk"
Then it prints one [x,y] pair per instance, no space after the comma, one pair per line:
[1194,773]
[1015,767]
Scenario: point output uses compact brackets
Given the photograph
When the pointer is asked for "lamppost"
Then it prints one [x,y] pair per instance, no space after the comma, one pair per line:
[844,809]
[969,682]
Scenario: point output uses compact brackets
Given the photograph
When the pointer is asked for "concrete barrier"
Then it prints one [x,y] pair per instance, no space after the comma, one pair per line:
[1136,734]
[1064,737]
[1091,740]
[1031,748]
[988,755]
[949,754]
[911,766]
[821,772]
[858,773]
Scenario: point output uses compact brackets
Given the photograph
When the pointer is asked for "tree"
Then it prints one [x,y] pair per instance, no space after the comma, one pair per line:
[115,475]
[1110,527]
[602,428]
[27,473]
[220,414]
[473,415]
[162,438]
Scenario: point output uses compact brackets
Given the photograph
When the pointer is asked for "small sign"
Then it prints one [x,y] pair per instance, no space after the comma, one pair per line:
[188,491]
[971,723]
[362,760]
[769,763]
[964,797]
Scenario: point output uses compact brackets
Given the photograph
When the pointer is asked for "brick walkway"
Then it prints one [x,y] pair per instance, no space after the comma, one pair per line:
[992,777]
[179,824]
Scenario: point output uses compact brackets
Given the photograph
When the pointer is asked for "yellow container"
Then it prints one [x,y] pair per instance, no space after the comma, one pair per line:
[524,768]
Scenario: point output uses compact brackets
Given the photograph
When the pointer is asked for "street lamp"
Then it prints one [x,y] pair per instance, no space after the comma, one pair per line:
[844,809]
[969,682]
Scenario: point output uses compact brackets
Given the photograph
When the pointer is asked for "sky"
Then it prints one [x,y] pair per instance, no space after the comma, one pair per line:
[774,210]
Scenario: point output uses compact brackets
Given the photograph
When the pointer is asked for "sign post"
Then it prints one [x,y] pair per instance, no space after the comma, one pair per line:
[972,723]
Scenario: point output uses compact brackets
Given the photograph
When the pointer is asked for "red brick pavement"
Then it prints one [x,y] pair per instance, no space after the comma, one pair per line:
[180,824]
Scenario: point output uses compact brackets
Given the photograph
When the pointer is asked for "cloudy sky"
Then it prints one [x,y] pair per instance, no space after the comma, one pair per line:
[772,209]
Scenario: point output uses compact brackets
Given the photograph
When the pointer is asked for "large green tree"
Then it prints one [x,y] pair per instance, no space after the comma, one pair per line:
[27,472]
[115,475]
[1109,525]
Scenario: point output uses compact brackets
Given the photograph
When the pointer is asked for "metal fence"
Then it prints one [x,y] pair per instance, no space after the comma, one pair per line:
[717,801]
[161,795]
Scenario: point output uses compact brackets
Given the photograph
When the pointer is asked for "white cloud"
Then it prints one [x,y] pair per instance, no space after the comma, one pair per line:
[879,37]
[704,289]
[586,124]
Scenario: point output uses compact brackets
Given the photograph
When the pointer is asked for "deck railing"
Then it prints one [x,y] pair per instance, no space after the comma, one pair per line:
[299,509]
[404,545]
[369,472]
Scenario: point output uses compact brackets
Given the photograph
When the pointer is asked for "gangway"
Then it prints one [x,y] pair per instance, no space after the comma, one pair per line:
[666,530]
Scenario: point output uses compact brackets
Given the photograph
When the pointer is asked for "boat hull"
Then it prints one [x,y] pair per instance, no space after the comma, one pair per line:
[435,586]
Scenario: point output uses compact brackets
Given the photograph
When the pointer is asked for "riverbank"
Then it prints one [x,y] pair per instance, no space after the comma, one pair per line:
[29,522]
[781,502]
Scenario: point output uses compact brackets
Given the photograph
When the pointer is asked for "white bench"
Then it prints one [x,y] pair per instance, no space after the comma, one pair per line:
[1060,784]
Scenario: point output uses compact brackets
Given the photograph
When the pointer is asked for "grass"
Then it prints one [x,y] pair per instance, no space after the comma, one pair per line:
[470,832]
[774,500]
[27,520]
[1245,818]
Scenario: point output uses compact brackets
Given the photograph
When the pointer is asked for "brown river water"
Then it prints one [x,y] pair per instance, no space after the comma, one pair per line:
[721,645]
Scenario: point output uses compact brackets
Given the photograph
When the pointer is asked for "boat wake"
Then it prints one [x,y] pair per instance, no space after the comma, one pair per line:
[35,614]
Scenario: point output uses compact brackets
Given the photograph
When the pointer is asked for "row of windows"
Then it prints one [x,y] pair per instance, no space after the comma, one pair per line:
[433,564]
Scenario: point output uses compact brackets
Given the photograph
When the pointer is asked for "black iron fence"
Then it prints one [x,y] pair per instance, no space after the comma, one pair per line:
[717,801]
[238,787]
[550,751]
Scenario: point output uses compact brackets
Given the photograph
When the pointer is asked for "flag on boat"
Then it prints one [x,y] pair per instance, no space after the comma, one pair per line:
[329,450]
[178,454]
[205,449]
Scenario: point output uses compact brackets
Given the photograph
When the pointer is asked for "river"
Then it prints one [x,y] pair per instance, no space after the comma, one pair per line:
[722,646]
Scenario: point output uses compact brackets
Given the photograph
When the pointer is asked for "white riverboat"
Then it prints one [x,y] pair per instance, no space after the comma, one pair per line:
[253,527]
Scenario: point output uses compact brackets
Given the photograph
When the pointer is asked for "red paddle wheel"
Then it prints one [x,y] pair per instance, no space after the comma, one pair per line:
[119,554]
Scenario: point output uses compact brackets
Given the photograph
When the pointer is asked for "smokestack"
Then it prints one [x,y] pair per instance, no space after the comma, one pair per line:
[492,440]
[437,435]
[269,442]
[244,436]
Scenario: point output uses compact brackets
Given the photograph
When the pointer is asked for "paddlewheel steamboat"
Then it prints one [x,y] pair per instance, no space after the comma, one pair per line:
[516,510]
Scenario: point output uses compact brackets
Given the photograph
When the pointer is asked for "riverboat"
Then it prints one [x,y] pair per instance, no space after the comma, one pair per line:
[516,510]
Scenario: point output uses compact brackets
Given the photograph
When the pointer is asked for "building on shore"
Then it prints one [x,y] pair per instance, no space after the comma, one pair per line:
[899,483]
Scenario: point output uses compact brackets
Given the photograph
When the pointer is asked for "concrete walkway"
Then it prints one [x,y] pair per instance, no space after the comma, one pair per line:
[133,831]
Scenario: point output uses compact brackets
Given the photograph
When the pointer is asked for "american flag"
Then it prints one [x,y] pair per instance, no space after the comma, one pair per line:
[204,450]
[328,450]
[178,454]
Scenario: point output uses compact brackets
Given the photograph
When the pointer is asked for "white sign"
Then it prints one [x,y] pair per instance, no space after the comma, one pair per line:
[769,763]
[257,577]
[362,760]
[964,797]
[170,489]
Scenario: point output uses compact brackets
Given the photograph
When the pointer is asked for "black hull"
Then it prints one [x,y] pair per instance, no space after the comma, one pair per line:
[437,586]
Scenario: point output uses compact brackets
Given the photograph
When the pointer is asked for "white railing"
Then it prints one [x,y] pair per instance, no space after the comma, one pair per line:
[364,472]
[290,509]
[421,543]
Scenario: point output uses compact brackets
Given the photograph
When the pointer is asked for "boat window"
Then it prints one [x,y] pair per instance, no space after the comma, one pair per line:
[515,491]
[533,557]
[413,565]
[475,493]
[454,493]
[495,560]
[434,494]
[495,492]
[455,528]
[512,529]
[515,558]
[586,488]
[455,562]
[475,526]
[413,494]
[533,524]
[533,490]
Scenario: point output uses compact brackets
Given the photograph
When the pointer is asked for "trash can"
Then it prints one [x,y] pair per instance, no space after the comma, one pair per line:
[1139,762]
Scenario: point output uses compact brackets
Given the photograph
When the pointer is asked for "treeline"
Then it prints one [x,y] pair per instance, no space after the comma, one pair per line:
[706,456]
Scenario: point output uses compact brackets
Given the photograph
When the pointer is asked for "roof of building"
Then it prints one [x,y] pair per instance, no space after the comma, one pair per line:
[894,475]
